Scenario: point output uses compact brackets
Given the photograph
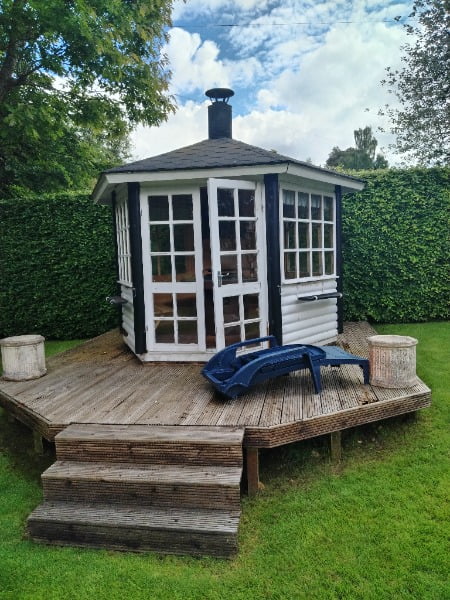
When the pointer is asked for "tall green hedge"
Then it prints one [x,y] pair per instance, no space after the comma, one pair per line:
[57,267]
[396,246]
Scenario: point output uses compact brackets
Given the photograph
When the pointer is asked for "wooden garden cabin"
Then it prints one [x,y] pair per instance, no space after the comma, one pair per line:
[222,241]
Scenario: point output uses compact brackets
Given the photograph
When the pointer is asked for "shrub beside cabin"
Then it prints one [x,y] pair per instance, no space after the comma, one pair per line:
[222,241]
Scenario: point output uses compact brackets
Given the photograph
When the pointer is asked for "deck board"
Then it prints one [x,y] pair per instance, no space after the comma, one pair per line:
[102,382]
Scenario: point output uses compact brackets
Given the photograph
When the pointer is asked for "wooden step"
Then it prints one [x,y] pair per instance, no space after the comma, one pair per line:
[175,531]
[151,444]
[213,487]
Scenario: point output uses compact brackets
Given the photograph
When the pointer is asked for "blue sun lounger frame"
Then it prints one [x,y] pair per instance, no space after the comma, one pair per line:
[233,375]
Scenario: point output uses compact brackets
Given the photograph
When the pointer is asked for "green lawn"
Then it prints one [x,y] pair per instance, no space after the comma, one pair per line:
[377,528]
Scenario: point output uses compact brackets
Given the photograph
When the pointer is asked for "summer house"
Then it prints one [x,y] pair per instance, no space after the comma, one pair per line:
[221,241]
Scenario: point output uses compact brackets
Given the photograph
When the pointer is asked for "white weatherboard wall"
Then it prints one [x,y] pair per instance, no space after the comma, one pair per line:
[309,322]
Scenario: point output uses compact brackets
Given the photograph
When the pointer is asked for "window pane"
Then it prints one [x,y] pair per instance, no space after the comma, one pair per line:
[246,203]
[228,268]
[182,207]
[289,204]
[316,233]
[290,269]
[317,263]
[329,263]
[249,267]
[251,330]
[158,208]
[328,236]
[164,332]
[187,332]
[161,268]
[227,235]
[289,234]
[187,305]
[303,205]
[163,305]
[327,208]
[303,235]
[248,235]
[316,206]
[251,306]
[303,260]
[232,335]
[183,237]
[185,267]
[231,309]
[160,238]
[225,202]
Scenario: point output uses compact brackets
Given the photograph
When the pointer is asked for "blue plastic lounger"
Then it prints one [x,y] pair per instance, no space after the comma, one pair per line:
[233,375]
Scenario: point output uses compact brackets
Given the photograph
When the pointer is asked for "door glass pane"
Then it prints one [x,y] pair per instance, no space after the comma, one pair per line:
[303,260]
[158,208]
[327,208]
[187,332]
[163,305]
[317,263]
[231,309]
[182,207]
[185,267]
[186,305]
[183,237]
[328,236]
[316,231]
[249,268]
[248,235]
[251,306]
[290,269]
[246,203]
[161,268]
[232,335]
[303,205]
[316,205]
[303,235]
[251,330]
[227,235]
[329,263]
[160,238]
[289,204]
[164,332]
[228,268]
[289,234]
[225,202]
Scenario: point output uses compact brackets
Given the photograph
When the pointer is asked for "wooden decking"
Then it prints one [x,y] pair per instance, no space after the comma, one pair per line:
[102,382]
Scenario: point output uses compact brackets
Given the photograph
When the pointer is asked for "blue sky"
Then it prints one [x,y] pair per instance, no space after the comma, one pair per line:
[306,73]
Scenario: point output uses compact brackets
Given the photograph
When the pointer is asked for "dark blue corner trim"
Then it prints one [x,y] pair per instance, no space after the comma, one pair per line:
[137,271]
[273,255]
[340,302]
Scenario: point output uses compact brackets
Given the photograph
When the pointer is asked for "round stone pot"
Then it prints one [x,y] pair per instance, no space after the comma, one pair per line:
[23,357]
[392,361]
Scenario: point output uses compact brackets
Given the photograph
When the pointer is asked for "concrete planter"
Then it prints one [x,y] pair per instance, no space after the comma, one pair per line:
[392,361]
[23,357]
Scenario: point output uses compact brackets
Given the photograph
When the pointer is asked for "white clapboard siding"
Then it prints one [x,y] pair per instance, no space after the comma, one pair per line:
[128,316]
[308,322]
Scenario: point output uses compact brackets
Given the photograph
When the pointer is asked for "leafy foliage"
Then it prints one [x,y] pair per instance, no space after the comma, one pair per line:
[422,86]
[396,251]
[57,264]
[360,157]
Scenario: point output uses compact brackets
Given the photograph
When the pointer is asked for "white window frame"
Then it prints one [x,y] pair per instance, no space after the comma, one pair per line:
[297,250]
[123,243]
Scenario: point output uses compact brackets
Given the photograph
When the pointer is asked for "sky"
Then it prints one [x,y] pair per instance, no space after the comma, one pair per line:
[306,73]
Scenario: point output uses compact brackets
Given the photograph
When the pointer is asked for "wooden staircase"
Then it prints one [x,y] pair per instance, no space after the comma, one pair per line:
[173,490]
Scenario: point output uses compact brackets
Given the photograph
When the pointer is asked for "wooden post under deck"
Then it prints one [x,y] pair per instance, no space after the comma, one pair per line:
[336,447]
[252,456]
[38,442]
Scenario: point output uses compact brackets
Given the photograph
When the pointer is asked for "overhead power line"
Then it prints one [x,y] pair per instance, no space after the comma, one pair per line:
[394,21]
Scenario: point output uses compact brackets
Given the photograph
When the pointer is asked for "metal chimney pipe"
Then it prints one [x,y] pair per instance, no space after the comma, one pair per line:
[219,113]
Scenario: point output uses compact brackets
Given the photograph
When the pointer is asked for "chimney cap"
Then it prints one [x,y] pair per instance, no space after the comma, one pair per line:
[219,94]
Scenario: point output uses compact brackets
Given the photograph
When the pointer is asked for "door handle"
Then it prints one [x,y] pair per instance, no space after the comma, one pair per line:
[220,277]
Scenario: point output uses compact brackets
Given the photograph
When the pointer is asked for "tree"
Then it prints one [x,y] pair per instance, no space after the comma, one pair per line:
[74,77]
[360,157]
[422,87]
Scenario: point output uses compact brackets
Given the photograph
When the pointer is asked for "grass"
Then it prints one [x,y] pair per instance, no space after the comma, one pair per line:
[376,528]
